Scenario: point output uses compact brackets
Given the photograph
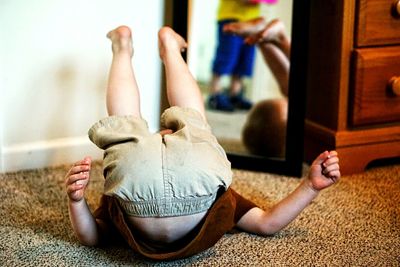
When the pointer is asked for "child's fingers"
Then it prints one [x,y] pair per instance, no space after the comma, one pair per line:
[227,28]
[79,166]
[81,177]
[78,169]
[331,170]
[330,158]
[74,188]
[334,175]
[85,161]
[251,40]
[330,161]
[321,158]
[333,153]
[333,165]
[77,178]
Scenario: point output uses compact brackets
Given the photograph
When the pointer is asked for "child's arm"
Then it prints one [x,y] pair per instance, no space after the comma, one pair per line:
[323,173]
[82,220]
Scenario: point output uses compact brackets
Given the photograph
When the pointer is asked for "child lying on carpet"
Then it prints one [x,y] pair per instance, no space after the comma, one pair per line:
[168,194]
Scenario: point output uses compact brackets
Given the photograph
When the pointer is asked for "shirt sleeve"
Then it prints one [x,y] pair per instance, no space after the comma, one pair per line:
[243,205]
[107,231]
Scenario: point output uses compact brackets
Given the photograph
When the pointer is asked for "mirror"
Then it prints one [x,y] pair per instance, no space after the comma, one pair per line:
[229,126]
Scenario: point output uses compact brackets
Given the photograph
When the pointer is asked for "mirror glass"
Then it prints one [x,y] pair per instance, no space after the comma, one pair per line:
[243,130]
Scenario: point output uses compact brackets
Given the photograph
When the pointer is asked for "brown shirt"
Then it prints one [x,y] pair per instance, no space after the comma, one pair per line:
[221,218]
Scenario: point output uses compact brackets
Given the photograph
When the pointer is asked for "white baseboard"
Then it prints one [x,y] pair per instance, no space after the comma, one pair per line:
[42,154]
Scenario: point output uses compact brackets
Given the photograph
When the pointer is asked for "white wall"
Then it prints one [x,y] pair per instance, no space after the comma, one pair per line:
[53,72]
[202,37]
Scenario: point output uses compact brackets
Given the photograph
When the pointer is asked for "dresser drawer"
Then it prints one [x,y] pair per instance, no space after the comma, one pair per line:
[373,99]
[378,22]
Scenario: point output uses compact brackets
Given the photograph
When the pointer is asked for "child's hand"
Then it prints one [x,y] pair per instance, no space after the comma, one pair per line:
[77,179]
[324,170]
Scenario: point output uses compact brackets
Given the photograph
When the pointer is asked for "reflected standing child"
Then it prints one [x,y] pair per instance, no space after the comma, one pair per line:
[264,132]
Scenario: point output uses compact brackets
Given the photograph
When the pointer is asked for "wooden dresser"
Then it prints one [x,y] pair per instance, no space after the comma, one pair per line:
[353,94]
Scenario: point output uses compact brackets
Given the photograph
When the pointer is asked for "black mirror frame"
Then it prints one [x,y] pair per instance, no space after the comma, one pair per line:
[292,164]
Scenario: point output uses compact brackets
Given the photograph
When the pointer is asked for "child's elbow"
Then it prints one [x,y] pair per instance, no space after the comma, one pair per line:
[88,241]
[270,228]
[267,231]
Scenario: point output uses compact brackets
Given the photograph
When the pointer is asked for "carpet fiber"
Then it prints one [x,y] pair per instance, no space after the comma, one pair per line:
[354,223]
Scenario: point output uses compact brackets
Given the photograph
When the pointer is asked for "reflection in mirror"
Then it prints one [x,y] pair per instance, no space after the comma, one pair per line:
[256,123]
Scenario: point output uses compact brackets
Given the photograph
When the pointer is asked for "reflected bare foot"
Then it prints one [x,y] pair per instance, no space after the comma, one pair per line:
[274,32]
[121,38]
[246,28]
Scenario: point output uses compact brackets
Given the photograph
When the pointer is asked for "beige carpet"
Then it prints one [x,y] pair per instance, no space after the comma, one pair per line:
[227,128]
[355,223]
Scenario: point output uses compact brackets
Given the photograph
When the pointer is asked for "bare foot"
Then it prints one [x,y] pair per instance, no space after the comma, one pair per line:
[273,32]
[246,28]
[169,40]
[121,38]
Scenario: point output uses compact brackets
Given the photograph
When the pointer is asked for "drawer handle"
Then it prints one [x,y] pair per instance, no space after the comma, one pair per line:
[396,9]
[394,85]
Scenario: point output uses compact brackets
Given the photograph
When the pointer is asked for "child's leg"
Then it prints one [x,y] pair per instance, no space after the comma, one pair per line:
[182,88]
[272,42]
[122,90]
[275,48]
[236,85]
[259,31]
[215,86]
[274,33]
[278,63]
[246,28]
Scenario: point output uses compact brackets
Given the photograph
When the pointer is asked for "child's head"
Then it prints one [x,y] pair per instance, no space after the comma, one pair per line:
[264,132]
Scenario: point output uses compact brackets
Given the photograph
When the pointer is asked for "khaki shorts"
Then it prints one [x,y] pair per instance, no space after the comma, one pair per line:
[154,176]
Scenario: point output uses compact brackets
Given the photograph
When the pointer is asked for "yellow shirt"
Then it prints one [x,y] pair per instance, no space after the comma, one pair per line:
[236,9]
